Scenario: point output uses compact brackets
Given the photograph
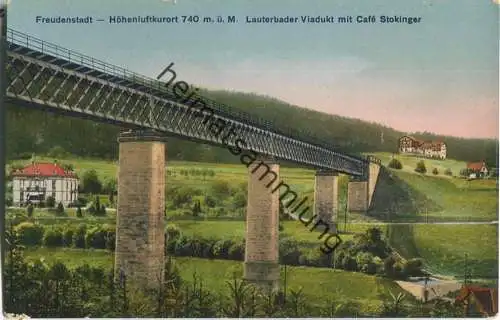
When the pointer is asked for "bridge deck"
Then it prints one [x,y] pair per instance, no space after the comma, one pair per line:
[46,76]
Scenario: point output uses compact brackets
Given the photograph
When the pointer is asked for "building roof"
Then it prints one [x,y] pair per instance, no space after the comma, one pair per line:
[43,170]
[434,145]
[476,166]
[487,298]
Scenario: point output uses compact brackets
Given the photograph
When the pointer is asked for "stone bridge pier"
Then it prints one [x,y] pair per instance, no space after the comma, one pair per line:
[140,242]
[326,198]
[360,190]
[261,266]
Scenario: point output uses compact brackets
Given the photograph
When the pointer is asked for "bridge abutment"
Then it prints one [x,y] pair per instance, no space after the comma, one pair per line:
[261,266]
[140,242]
[326,198]
[360,191]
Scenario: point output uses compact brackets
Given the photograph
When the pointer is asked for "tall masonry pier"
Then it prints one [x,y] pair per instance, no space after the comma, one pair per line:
[140,242]
[360,190]
[262,225]
[326,192]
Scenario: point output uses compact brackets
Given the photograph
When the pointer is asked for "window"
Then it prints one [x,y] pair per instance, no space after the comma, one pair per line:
[53,185]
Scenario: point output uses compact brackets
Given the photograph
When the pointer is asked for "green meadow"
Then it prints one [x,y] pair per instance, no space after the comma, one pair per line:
[318,284]
[443,247]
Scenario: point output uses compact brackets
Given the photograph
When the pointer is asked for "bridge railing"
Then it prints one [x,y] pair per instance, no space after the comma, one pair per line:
[150,84]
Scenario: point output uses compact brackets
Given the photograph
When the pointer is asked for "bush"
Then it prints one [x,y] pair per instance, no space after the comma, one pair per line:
[110,186]
[466,172]
[349,263]
[50,202]
[221,249]
[413,267]
[60,209]
[363,259]
[53,238]
[389,266]
[289,251]
[30,210]
[236,251]
[17,217]
[173,232]
[81,201]
[196,210]
[8,201]
[96,238]
[30,234]
[79,213]
[110,238]
[239,200]
[68,237]
[448,172]
[210,201]
[399,270]
[435,171]
[79,236]
[395,164]
[56,152]
[220,189]
[91,182]
[181,196]
[421,167]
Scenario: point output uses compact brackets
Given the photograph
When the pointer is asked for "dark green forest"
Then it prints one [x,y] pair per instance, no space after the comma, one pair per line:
[32,131]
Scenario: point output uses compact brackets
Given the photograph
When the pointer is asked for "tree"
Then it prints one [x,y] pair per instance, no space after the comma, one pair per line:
[395,164]
[413,267]
[30,209]
[196,208]
[60,208]
[435,171]
[79,213]
[220,189]
[421,167]
[466,172]
[110,186]
[56,152]
[91,182]
[389,266]
[97,204]
[50,202]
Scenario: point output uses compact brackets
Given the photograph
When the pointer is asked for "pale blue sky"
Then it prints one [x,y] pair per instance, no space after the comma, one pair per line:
[440,75]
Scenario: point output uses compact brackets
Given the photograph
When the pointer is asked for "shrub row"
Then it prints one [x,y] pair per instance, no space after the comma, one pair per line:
[371,256]
[82,236]
[359,255]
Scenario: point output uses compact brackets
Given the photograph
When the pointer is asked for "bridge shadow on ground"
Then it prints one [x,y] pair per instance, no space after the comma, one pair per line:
[396,201]
[401,238]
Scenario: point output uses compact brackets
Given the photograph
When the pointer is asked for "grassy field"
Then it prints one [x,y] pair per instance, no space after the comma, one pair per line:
[460,200]
[319,284]
[298,178]
[443,247]
[410,163]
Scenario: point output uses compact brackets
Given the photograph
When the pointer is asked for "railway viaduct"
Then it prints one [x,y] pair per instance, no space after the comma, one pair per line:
[41,75]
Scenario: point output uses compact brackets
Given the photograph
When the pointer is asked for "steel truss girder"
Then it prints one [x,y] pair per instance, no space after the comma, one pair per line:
[51,84]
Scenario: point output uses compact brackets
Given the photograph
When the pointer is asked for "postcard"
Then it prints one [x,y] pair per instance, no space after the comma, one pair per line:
[254,159]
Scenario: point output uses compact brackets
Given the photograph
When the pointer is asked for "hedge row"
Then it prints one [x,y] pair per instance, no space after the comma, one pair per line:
[82,236]
[351,256]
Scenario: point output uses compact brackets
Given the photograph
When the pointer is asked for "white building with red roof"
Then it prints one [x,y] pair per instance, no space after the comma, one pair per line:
[428,149]
[38,181]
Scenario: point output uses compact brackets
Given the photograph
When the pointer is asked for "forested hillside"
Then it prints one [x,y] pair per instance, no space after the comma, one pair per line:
[31,131]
